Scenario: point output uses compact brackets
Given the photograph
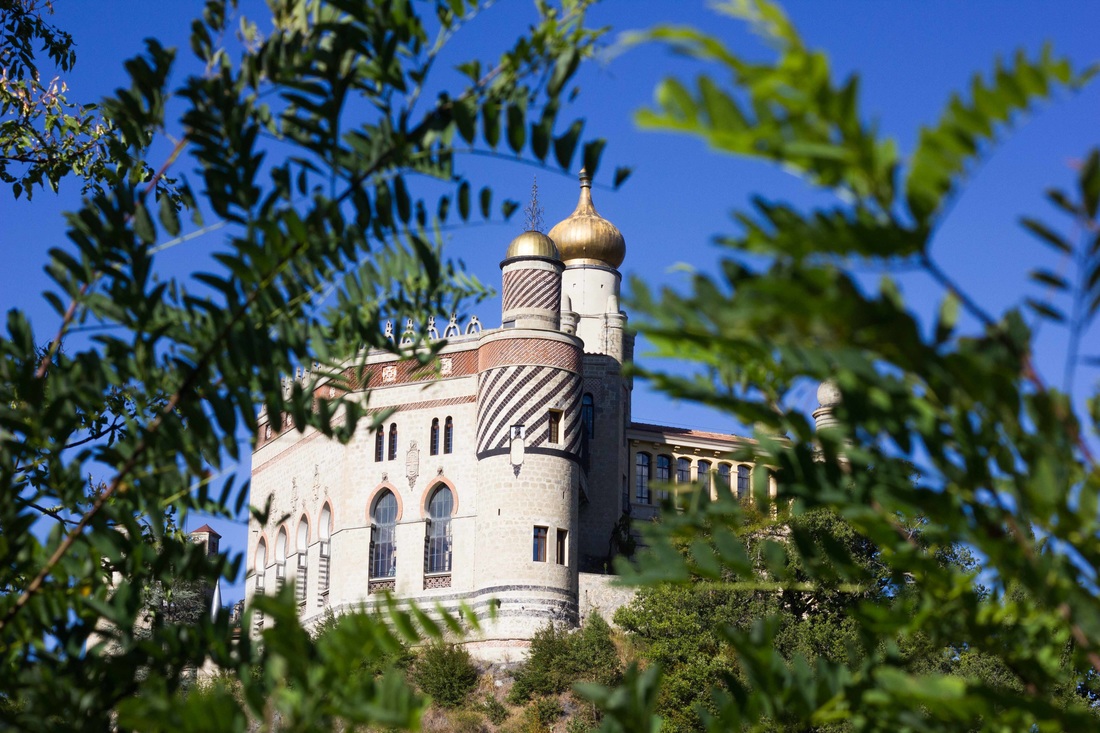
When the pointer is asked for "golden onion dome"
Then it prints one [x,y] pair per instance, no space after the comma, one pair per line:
[586,238]
[532,244]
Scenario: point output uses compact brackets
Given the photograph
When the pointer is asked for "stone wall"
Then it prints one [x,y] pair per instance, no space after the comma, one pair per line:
[598,592]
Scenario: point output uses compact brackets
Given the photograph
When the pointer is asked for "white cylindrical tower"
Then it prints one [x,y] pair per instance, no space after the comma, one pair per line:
[528,447]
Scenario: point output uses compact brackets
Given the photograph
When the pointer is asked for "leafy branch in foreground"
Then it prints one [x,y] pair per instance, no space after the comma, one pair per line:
[304,141]
[1004,468]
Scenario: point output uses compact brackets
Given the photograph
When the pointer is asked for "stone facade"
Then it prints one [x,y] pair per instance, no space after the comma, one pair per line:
[498,472]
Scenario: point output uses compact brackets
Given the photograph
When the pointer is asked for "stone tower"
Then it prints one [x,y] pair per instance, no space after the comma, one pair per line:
[528,449]
[592,248]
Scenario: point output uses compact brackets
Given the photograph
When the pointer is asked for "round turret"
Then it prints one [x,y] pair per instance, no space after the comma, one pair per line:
[532,244]
[585,237]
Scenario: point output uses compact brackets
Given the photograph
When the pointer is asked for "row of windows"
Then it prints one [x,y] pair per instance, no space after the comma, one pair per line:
[380,445]
[663,474]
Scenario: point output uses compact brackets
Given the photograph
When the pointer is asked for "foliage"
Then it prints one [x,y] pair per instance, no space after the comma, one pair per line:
[308,141]
[558,658]
[1005,467]
[446,673]
[43,136]
[493,709]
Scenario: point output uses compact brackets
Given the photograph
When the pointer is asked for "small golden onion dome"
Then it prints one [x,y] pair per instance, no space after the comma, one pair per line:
[532,244]
[586,238]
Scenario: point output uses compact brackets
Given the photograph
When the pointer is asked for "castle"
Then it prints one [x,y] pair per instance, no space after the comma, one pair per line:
[501,476]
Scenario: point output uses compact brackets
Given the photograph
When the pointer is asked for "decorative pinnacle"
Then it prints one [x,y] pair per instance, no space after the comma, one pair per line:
[533,221]
[586,180]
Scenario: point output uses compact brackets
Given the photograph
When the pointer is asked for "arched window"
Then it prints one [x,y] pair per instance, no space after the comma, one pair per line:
[448,435]
[393,441]
[641,479]
[280,546]
[383,553]
[301,546]
[280,558]
[324,533]
[438,553]
[683,470]
[588,415]
[742,481]
[702,473]
[433,439]
[260,564]
[379,445]
[724,475]
[663,475]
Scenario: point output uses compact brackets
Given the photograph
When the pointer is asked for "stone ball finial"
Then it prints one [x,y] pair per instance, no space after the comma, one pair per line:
[828,394]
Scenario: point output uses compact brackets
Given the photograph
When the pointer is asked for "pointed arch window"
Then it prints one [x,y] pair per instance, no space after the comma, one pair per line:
[379,445]
[383,552]
[588,414]
[743,473]
[301,547]
[260,564]
[280,558]
[437,553]
[433,442]
[393,441]
[324,529]
[641,478]
[448,435]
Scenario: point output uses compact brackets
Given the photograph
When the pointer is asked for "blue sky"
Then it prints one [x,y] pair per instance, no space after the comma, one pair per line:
[910,56]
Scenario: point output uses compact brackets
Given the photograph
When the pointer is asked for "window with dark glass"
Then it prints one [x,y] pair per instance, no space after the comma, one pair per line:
[588,415]
[554,419]
[561,545]
[683,470]
[383,553]
[538,549]
[448,435]
[641,478]
[742,481]
[702,472]
[724,475]
[379,444]
[438,552]
[663,474]
[433,438]
[393,441]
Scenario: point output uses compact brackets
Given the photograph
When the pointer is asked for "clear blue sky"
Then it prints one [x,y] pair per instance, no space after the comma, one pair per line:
[909,56]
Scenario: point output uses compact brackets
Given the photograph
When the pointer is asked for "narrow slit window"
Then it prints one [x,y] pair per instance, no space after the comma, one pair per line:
[448,435]
[555,426]
[562,544]
[379,445]
[433,442]
[393,441]
[588,415]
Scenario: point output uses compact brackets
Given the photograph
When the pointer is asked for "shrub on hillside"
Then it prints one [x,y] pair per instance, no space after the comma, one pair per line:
[559,658]
[445,672]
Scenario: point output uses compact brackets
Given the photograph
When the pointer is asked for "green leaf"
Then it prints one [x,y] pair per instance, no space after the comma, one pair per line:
[566,144]
[1090,183]
[143,224]
[1050,279]
[593,151]
[485,199]
[621,174]
[1046,234]
[517,126]
[464,200]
